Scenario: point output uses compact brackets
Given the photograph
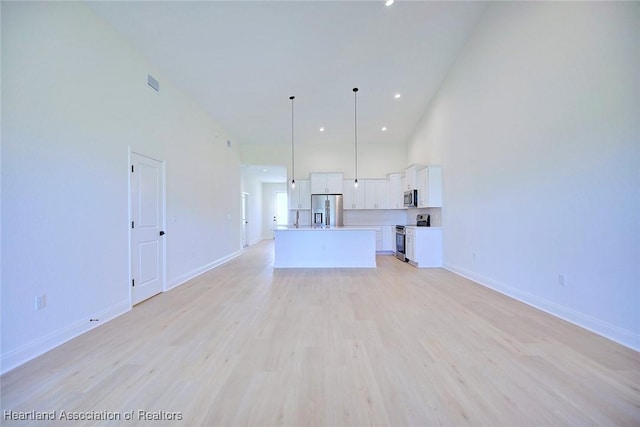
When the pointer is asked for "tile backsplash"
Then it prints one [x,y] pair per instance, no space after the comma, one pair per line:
[435,213]
[376,216]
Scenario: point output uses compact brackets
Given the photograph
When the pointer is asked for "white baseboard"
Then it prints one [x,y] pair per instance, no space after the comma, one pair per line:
[385,252]
[254,241]
[597,326]
[198,271]
[29,351]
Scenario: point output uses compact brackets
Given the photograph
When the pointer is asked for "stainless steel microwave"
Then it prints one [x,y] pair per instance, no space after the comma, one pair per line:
[411,199]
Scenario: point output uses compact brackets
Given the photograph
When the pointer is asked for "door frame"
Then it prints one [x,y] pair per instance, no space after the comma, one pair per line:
[244,238]
[163,169]
[275,207]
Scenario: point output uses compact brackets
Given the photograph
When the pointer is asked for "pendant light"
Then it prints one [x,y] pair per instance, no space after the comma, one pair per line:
[355,127]
[293,159]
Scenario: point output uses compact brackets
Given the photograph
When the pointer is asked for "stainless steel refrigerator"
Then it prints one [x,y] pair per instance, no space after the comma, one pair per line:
[326,210]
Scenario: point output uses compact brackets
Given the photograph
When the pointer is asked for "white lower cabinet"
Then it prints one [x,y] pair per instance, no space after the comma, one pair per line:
[388,238]
[410,244]
[423,246]
[385,236]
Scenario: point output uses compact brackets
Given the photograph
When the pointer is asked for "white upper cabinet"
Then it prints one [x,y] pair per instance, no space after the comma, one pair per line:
[423,179]
[326,183]
[334,183]
[370,194]
[396,193]
[411,178]
[430,187]
[376,194]
[300,197]
[353,197]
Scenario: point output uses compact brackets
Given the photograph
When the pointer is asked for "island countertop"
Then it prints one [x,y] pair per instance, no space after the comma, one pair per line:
[317,228]
[325,247]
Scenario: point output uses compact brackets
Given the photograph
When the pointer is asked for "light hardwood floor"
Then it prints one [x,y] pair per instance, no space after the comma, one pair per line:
[393,346]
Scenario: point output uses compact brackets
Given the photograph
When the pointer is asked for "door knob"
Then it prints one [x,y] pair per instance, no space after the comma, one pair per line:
[162,233]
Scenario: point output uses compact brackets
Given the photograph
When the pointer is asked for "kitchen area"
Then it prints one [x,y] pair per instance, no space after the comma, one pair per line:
[334,223]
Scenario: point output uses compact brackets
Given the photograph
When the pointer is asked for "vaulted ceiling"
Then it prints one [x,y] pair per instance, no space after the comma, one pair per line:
[242,60]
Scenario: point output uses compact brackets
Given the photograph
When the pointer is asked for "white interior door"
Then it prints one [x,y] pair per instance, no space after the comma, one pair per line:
[282,208]
[147,227]
[244,219]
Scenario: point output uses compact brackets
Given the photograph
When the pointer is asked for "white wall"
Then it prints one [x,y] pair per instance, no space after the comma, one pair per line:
[74,102]
[537,127]
[374,161]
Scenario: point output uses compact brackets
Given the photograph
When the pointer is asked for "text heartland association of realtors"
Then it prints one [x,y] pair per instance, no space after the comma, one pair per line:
[139,415]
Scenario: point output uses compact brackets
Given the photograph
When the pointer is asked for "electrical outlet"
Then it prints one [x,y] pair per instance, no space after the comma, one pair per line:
[561,279]
[41,301]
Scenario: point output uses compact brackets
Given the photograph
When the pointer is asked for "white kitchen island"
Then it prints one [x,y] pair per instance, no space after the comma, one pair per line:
[319,247]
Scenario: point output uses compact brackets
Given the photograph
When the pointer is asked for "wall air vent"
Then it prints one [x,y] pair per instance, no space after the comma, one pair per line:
[153,83]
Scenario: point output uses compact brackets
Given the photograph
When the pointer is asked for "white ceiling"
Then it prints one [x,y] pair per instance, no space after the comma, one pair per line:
[241,60]
[266,173]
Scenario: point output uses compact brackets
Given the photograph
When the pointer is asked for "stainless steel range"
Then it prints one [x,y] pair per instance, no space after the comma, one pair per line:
[400,243]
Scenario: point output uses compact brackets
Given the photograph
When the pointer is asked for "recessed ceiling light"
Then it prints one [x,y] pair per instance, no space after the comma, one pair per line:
[322,129]
[384,128]
[396,96]
[265,170]
[388,3]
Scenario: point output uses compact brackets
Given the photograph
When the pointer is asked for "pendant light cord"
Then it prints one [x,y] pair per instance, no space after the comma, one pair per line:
[355,127]
[293,158]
